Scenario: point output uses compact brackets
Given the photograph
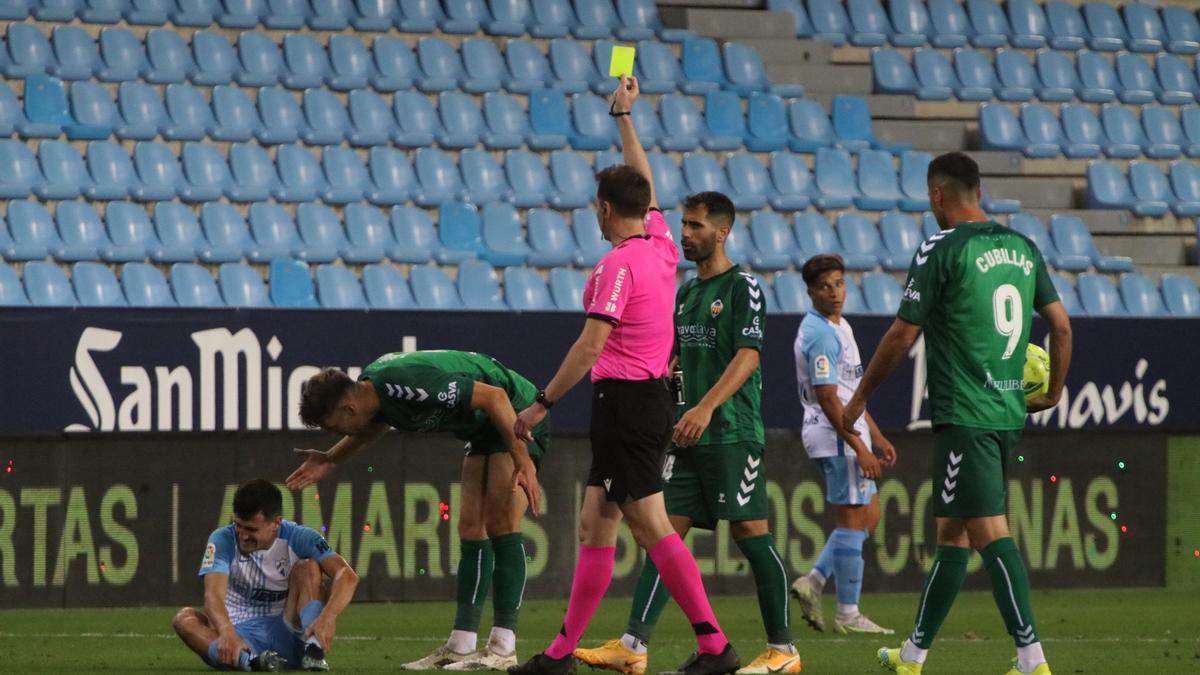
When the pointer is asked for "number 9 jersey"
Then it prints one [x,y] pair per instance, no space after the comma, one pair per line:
[973,290]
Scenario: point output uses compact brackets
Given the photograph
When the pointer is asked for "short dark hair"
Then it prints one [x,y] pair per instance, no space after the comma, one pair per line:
[958,169]
[817,265]
[321,394]
[718,206]
[626,189]
[257,496]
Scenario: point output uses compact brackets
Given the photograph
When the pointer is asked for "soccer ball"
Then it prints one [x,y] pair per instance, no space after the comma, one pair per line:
[1037,371]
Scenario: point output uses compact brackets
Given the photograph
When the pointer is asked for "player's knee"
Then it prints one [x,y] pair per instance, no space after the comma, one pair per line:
[471,529]
[748,528]
[184,619]
[499,524]
[305,572]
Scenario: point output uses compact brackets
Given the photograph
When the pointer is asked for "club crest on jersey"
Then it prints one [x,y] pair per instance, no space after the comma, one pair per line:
[821,367]
[715,308]
[210,556]
[281,566]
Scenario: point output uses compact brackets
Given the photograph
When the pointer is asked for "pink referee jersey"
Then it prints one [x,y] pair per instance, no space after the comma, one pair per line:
[633,287]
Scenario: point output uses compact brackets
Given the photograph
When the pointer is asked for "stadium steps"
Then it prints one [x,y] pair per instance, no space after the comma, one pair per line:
[929,135]
[731,24]
[1096,220]
[789,49]
[823,78]
[1038,191]
[1149,249]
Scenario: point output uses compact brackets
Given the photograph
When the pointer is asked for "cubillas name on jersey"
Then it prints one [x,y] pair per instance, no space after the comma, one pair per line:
[1003,256]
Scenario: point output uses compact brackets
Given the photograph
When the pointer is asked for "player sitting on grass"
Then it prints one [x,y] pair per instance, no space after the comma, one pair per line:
[262,578]
[471,395]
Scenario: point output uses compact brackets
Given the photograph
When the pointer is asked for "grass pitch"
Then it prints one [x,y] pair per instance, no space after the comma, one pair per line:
[1113,631]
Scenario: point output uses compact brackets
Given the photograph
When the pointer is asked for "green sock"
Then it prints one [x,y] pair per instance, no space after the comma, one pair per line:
[649,598]
[770,578]
[941,587]
[1010,587]
[474,579]
[509,579]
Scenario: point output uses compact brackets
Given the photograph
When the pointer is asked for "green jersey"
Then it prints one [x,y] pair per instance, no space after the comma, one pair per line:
[973,290]
[431,390]
[716,317]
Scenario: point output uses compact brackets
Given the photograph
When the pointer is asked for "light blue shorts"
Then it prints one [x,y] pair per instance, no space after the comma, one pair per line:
[272,632]
[844,482]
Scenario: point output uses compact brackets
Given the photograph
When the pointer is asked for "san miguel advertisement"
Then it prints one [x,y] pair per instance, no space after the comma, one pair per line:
[170,370]
[119,519]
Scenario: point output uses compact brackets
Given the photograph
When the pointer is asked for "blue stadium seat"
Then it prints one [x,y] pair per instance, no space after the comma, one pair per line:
[438,177]
[810,126]
[206,176]
[935,75]
[46,110]
[646,121]
[724,122]
[999,129]
[375,15]
[877,181]
[1138,82]
[1165,136]
[1067,29]
[461,120]
[1029,225]
[193,286]
[178,232]
[1062,83]
[132,236]
[324,239]
[274,233]
[551,19]
[682,124]
[830,23]
[386,288]
[911,24]
[338,288]
[459,227]
[860,242]
[351,65]
[1183,29]
[19,174]
[15,10]
[550,239]
[326,118]
[527,66]
[1150,186]
[1140,296]
[901,237]
[701,66]
[792,181]
[1180,295]
[346,174]
[1017,79]
[259,62]
[640,21]
[891,73]
[419,16]
[395,65]
[587,235]
[1043,132]
[572,66]
[82,233]
[227,233]
[856,302]
[566,287]
[773,237]
[331,14]
[29,52]
[122,57]
[1072,237]
[300,175]
[197,14]
[507,124]
[158,173]
[236,118]
[602,84]
[509,18]
[433,289]
[549,118]
[503,242]
[76,53]
[594,128]
[417,239]
[241,286]
[47,285]
[914,186]
[1175,76]
[62,166]
[1108,188]
[868,22]
[111,170]
[574,182]
[56,10]
[1029,25]
[791,293]
[215,58]
[189,116]
[248,13]
[484,68]
[800,22]
[1105,25]
[93,112]
[418,120]
[751,185]
[484,178]
[1146,32]
[930,226]
[746,73]
[441,66]
[143,116]
[1099,80]
[703,174]
[1124,132]
[369,233]
[392,177]
[814,235]
[144,286]
[371,121]
[525,290]
[10,110]
[1082,133]
[1068,296]
[528,178]
[1099,296]
[669,187]
[253,175]
[881,292]
[282,118]
[597,19]
[33,233]
[659,69]
[950,25]
[767,123]
[1185,183]
[976,74]
[989,23]
[305,63]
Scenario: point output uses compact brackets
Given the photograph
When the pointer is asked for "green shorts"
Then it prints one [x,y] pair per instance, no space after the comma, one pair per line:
[970,471]
[708,483]
[489,442]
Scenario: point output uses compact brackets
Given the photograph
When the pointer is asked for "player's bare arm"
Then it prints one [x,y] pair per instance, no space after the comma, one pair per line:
[1060,355]
[692,424]
[320,463]
[341,591]
[892,349]
[494,401]
[229,643]
[579,360]
[634,154]
[831,405]
[879,442]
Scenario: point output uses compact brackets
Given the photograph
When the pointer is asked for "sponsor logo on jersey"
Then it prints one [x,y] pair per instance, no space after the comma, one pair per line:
[715,308]
[911,293]
[996,257]
[450,396]
[611,305]
[210,557]
[696,335]
[1002,385]
[754,330]
[821,367]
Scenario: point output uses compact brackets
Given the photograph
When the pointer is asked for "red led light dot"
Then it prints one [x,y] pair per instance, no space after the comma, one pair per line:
[366,527]
[1124,529]
[1053,478]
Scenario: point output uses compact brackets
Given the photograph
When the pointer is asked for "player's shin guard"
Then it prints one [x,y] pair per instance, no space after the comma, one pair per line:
[681,576]
[770,578]
[593,573]
[941,587]
[847,563]
[474,580]
[508,579]
[650,596]
[1010,587]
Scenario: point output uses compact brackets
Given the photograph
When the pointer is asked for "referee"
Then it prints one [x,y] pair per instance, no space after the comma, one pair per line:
[626,343]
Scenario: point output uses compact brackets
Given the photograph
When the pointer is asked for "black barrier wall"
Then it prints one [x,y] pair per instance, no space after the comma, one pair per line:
[122,519]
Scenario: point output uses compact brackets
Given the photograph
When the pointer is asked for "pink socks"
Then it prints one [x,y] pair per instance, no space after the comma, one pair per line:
[681,576]
[593,573]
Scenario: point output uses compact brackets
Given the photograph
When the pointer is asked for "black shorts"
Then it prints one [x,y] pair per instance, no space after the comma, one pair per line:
[631,427]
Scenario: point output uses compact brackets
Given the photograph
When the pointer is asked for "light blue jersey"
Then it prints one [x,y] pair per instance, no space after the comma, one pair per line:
[258,581]
[826,353]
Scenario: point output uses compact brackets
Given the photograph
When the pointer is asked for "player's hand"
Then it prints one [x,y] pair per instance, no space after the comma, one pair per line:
[886,451]
[626,93]
[869,464]
[525,479]
[691,426]
[229,647]
[323,628]
[853,410]
[1043,402]
[316,467]
[527,419]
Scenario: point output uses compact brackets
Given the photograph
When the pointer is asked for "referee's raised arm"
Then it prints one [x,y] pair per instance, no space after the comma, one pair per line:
[622,109]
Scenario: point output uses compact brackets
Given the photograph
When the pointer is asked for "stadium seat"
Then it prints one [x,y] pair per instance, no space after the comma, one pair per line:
[999,129]
[300,175]
[594,129]
[772,236]
[507,126]
[438,177]
[901,237]
[242,286]
[84,238]
[440,66]
[10,110]
[1099,296]
[274,233]
[46,112]
[914,185]
[433,289]
[395,66]
[351,65]
[290,285]
[1165,135]
[935,75]
[669,187]
[282,118]
[1140,296]
[331,14]
[19,174]
[860,242]
[169,58]
[216,59]
[792,182]
[1071,237]
[571,65]
[550,18]
[549,119]
[1176,78]
[75,52]
[1043,133]
[121,56]
[337,288]
[682,124]
[814,235]
[484,68]
[1082,133]
[525,290]
[193,286]
[1106,27]
[1028,23]
[1150,185]
[767,123]
[144,286]
[227,234]
[791,293]
[527,66]
[596,19]
[1185,183]
[1017,79]
[1108,188]
[236,118]
[132,236]
[750,183]
[703,174]
[371,121]
[143,116]
[528,179]
[158,174]
[326,120]
[659,68]
[574,182]
[391,177]
[725,126]
[386,288]
[205,175]
[369,233]
[29,52]
[346,174]
[891,73]
[509,18]
[1032,228]
[418,121]
[566,287]
[503,242]
[1182,29]
[640,21]
[1099,82]
[550,239]
[1068,295]
[65,176]
[700,63]
[483,177]
[248,13]
[855,302]
[881,292]
[93,113]
[189,116]
[1180,295]
[199,14]
[830,23]
[1061,82]
[419,16]
[459,228]
[46,285]
[1145,28]
[33,233]
[810,126]
[111,171]
[461,120]
[1124,132]
[989,23]
[1067,29]
[602,84]
[417,239]
[324,239]
[801,24]
[976,74]
[1138,82]
[587,235]
[877,181]
[852,125]
[260,63]
[868,23]
[305,63]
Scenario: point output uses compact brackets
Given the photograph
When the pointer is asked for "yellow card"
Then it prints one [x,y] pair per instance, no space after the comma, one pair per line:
[622,61]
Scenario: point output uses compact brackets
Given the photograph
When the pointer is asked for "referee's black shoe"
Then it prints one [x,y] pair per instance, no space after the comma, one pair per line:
[541,664]
[700,663]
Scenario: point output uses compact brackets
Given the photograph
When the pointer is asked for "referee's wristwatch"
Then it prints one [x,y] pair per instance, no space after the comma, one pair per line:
[541,398]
